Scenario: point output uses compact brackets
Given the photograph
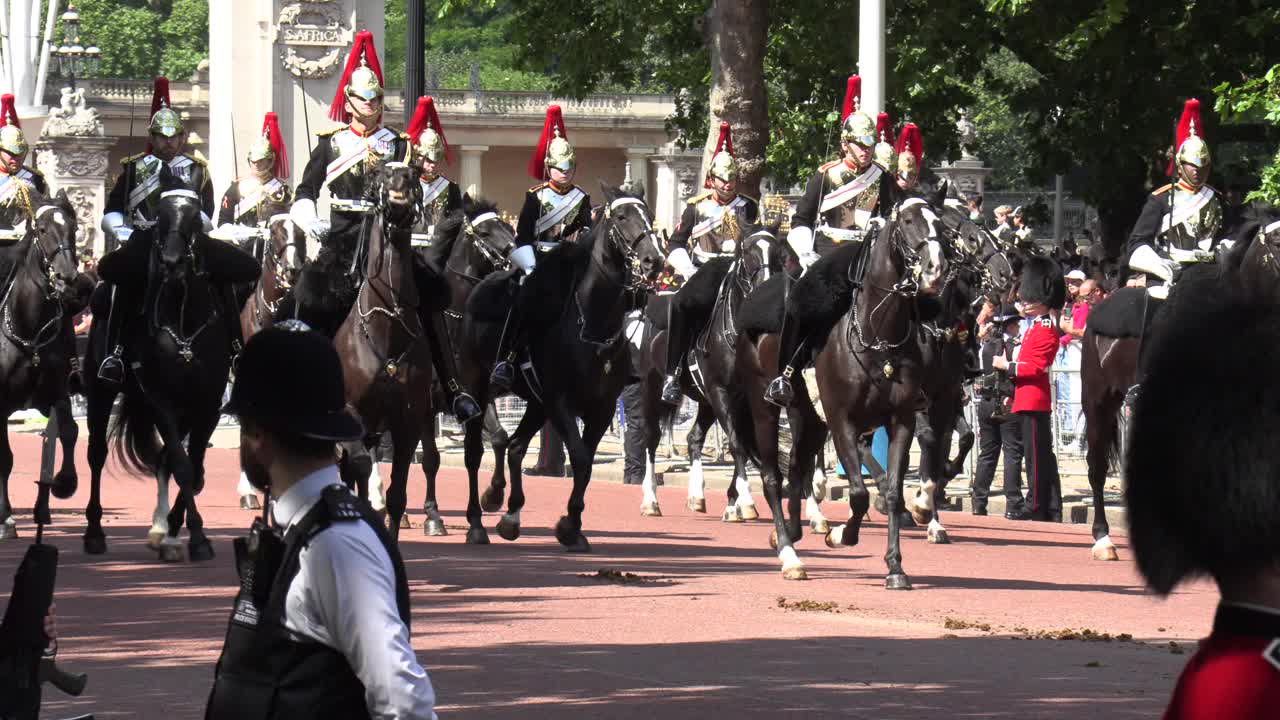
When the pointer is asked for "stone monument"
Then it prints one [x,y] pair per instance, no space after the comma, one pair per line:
[72,153]
[278,56]
[969,173]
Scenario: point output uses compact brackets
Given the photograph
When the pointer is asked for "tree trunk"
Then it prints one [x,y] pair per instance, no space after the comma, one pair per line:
[736,35]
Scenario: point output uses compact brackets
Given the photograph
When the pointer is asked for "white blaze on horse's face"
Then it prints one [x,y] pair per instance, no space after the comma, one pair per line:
[933,266]
[764,245]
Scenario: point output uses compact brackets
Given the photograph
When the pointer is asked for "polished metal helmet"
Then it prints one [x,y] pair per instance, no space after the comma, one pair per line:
[12,140]
[884,151]
[560,153]
[261,149]
[855,125]
[1191,147]
[166,122]
[723,165]
[364,84]
[431,145]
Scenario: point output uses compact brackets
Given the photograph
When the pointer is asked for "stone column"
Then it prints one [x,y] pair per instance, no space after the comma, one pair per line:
[73,156]
[677,180]
[638,160]
[471,173]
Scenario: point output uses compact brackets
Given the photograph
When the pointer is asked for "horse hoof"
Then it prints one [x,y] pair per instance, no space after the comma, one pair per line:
[155,538]
[509,531]
[921,515]
[1105,550]
[477,536]
[171,553]
[8,531]
[748,512]
[795,572]
[200,552]
[571,537]
[580,545]
[773,539]
[491,499]
[835,537]
[434,528]
[698,505]
[95,544]
[732,514]
[404,522]
[64,485]
[650,510]
[250,502]
[819,526]
[897,581]
[938,536]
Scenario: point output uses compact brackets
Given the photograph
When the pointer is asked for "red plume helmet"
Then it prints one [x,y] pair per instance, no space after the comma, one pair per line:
[424,117]
[8,111]
[160,95]
[852,96]
[722,159]
[725,141]
[1188,125]
[271,131]
[361,49]
[884,128]
[910,141]
[553,122]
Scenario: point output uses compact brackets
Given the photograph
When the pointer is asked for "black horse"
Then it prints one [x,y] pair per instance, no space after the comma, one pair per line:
[179,356]
[43,291]
[578,360]
[708,377]
[869,374]
[478,243]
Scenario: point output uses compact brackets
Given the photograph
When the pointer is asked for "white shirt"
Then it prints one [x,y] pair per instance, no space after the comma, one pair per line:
[344,597]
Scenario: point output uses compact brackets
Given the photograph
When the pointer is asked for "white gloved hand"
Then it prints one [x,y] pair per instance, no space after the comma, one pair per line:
[525,258]
[317,229]
[123,233]
[808,259]
[1145,259]
[683,264]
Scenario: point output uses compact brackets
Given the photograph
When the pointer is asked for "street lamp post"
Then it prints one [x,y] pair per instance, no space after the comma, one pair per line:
[74,60]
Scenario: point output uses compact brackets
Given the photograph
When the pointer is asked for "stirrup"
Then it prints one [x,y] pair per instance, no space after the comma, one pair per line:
[502,377]
[1132,394]
[112,367]
[671,393]
[465,408]
[780,392]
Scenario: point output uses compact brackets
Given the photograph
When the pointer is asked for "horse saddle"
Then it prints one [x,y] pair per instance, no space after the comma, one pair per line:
[1125,314]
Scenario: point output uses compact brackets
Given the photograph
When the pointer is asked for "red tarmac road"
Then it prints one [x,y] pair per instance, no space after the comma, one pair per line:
[710,630]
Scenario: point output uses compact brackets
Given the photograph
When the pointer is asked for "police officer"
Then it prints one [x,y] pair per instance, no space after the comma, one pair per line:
[554,211]
[832,219]
[17,180]
[132,209]
[344,160]
[320,626]
[997,428]
[440,198]
[1041,290]
[713,220]
[250,201]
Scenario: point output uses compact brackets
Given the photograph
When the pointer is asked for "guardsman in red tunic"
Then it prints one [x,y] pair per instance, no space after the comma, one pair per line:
[1200,493]
[1042,289]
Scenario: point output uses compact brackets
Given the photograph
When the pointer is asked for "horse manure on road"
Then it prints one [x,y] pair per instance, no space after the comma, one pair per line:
[808,605]
[619,577]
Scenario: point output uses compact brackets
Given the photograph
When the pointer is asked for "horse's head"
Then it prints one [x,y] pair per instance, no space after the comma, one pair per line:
[973,246]
[629,231]
[288,249]
[1257,265]
[399,194]
[54,245]
[179,222]
[916,231]
[490,236]
[760,253]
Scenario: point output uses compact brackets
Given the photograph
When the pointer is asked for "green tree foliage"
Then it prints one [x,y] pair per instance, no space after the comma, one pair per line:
[142,38]
[1256,99]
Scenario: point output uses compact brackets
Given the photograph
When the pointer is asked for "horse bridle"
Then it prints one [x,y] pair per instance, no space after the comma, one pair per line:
[49,332]
[495,257]
[634,279]
[907,287]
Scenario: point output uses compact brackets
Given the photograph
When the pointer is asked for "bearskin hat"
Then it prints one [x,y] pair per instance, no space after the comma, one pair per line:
[1042,282]
[1202,473]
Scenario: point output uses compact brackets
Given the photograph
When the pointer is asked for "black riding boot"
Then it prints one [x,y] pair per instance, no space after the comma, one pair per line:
[792,347]
[677,346]
[465,407]
[112,367]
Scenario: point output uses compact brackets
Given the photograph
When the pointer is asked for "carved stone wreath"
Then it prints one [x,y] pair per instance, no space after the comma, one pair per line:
[332,36]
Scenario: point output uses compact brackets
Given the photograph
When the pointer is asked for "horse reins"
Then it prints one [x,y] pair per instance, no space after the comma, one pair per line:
[633,277]
[47,334]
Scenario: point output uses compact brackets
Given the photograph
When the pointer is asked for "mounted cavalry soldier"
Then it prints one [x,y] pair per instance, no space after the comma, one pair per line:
[344,160]
[241,216]
[841,205]
[1181,223]
[440,198]
[131,213]
[712,222]
[555,211]
[17,180]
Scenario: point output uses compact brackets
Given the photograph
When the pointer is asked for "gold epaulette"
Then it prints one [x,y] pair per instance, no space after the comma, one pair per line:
[699,197]
[198,159]
[131,158]
[829,165]
[1163,190]
[538,187]
[330,131]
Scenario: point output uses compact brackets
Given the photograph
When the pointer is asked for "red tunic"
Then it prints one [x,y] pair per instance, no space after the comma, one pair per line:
[1031,372]
[1236,673]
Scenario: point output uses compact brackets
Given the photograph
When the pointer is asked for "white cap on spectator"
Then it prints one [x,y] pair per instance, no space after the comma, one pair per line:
[1076,275]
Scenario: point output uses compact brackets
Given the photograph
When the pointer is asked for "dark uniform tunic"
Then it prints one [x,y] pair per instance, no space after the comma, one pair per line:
[549,216]
[839,202]
[251,202]
[440,198]
[136,194]
[345,161]
[1179,223]
[709,228]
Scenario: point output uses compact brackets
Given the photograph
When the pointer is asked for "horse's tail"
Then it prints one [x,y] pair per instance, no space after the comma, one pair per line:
[133,432]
